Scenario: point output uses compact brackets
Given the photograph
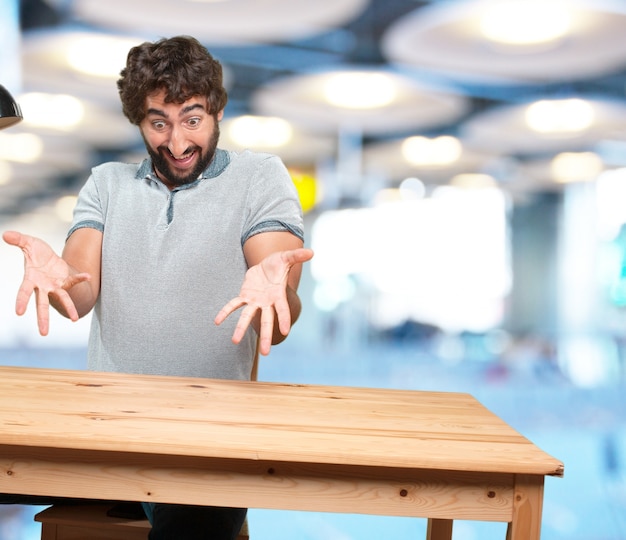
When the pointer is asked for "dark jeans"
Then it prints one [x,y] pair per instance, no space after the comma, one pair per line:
[169,521]
[182,522]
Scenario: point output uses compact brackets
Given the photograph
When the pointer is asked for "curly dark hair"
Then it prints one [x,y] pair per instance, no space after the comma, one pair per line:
[181,66]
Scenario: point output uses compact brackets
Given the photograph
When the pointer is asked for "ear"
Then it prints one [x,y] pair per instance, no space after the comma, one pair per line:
[220,115]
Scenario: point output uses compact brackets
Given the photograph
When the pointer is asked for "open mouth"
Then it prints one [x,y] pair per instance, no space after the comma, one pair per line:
[185,160]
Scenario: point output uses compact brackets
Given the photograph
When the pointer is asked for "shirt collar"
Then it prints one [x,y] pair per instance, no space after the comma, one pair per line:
[220,161]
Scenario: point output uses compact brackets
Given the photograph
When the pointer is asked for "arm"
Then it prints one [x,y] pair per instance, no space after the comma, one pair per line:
[269,288]
[69,283]
[83,254]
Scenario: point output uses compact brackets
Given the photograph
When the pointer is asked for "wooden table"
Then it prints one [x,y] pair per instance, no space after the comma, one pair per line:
[437,455]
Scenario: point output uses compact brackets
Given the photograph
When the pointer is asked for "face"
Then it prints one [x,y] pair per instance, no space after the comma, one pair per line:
[181,138]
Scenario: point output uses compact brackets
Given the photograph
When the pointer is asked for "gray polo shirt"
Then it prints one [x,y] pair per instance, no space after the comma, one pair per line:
[172,259]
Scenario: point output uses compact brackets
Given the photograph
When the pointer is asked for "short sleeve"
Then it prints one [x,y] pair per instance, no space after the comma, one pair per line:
[273,203]
[88,211]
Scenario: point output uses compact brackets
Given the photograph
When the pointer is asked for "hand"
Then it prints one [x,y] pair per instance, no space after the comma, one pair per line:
[48,275]
[264,290]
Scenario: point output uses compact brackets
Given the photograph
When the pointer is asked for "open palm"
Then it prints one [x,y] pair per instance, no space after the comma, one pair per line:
[264,290]
[47,275]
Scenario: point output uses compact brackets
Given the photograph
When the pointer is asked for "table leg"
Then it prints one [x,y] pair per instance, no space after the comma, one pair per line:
[527,508]
[439,529]
[48,531]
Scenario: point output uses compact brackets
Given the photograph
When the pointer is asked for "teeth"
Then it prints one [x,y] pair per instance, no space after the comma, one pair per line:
[181,158]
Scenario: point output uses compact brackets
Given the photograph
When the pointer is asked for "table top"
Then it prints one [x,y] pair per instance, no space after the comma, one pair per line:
[180,416]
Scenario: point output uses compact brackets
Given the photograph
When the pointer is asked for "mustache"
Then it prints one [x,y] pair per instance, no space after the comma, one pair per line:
[189,150]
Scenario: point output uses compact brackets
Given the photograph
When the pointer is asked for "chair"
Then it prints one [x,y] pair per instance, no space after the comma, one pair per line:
[92,522]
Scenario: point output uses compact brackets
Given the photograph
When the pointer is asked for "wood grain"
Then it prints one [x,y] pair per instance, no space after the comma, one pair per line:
[340,488]
[240,419]
[438,455]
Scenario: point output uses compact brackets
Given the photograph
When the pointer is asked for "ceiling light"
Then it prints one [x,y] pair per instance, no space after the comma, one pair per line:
[439,151]
[560,116]
[64,208]
[576,167]
[20,147]
[5,172]
[101,56]
[260,131]
[59,111]
[473,181]
[525,22]
[359,90]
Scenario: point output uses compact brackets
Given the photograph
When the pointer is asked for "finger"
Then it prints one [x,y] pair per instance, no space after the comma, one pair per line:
[65,299]
[231,306]
[266,330]
[284,316]
[66,302]
[243,323]
[75,280]
[43,312]
[23,297]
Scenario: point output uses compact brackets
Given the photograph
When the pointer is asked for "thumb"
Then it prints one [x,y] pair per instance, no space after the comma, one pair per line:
[12,237]
[300,255]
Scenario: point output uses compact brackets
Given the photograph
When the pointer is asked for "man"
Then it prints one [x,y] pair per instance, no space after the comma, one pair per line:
[164,251]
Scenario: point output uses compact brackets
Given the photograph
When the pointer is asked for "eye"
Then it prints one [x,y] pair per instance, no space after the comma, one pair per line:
[158,125]
[194,121]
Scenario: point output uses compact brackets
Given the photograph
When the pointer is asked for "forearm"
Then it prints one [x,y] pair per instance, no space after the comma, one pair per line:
[82,253]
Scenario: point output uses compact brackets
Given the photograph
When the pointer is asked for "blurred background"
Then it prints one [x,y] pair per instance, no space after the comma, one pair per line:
[462,166]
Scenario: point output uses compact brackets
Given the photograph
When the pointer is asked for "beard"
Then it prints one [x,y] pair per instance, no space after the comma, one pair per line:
[173,177]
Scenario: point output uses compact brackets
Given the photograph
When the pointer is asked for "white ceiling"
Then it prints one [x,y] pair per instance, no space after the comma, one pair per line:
[275,53]
[446,38]
[220,22]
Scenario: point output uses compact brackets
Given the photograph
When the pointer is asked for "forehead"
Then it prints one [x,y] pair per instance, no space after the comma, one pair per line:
[156,104]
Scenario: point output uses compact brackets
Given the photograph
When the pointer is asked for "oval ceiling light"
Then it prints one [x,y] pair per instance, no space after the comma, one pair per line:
[473,181]
[222,23]
[82,63]
[525,22]
[258,131]
[359,90]
[20,147]
[376,101]
[569,167]
[64,208]
[273,134]
[5,173]
[559,116]
[446,38]
[57,111]
[99,55]
[440,151]
[387,160]
[506,129]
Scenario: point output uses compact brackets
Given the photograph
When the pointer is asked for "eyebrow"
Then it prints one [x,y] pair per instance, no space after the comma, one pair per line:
[188,109]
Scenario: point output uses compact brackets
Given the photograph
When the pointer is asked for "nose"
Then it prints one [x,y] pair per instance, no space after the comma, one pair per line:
[177,144]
